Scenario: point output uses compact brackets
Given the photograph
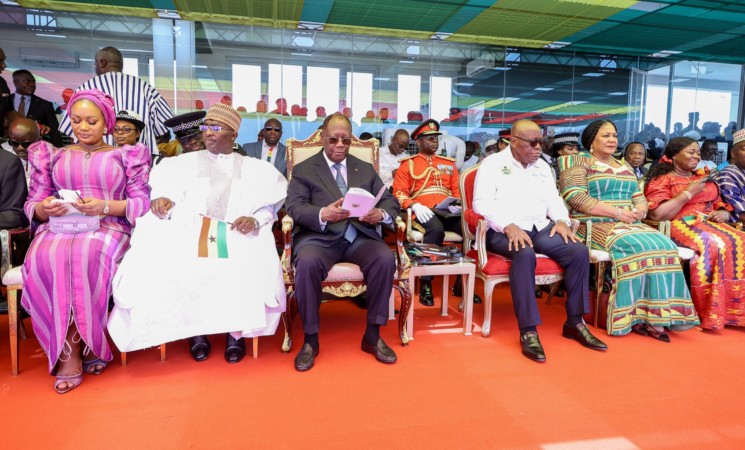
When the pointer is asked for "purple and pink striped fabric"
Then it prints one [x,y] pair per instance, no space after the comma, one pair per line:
[70,274]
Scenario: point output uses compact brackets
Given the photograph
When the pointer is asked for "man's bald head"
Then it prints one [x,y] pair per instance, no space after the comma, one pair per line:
[524,125]
[525,142]
[336,118]
[22,132]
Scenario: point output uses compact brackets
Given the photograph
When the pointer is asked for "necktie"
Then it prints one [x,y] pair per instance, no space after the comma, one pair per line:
[269,155]
[350,233]
[22,106]
[340,179]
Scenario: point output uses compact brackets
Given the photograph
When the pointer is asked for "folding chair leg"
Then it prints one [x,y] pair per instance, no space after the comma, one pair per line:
[163,351]
[256,346]
[124,359]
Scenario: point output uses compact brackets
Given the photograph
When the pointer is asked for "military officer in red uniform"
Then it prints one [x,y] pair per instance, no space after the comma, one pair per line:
[423,181]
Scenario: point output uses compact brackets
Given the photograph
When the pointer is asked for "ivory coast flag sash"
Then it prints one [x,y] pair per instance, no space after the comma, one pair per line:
[213,239]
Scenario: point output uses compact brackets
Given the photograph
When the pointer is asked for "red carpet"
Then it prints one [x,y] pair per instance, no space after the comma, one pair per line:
[446,391]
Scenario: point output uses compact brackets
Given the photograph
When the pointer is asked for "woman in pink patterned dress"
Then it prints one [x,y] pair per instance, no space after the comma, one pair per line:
[67,277]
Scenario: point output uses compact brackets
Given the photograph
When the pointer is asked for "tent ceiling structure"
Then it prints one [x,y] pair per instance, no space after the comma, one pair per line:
[711,30]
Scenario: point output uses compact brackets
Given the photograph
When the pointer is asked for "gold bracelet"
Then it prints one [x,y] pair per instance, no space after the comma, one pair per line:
[687,194]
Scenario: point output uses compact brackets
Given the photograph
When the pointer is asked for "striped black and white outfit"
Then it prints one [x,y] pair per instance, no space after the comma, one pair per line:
[133,94]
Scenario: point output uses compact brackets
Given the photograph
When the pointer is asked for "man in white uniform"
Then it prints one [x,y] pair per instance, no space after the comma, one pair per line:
[203,261]
[535,221]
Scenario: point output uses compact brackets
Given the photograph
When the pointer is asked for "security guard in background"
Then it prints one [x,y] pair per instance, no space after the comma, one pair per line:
[423,181]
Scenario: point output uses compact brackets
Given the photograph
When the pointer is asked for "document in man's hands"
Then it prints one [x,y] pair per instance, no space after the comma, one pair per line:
[359,202]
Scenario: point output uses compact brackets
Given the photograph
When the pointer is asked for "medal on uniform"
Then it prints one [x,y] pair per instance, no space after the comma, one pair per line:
[506,170]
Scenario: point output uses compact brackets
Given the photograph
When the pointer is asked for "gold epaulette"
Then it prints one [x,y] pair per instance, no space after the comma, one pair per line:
[446,157]
[408,158]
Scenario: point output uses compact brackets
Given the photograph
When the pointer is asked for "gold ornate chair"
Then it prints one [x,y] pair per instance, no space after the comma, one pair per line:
[12,282]
[344,279]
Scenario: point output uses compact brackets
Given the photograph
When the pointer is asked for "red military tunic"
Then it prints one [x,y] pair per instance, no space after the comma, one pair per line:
[427,180]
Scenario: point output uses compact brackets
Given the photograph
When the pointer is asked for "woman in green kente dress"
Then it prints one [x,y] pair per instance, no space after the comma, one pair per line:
[649,290]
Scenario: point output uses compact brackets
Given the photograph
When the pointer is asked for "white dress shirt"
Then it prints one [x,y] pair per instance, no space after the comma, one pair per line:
[508,193]
[387,163]
[452,147]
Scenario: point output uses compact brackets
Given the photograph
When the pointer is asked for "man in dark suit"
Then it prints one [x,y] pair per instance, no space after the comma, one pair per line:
[636,155]
[36,108]
[328,235]
[13,191]
[269,149]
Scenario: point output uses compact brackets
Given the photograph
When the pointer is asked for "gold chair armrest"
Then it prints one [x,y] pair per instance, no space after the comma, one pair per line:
[403,262]
[588,235]
[481,229]
[289,273]
[408,225]
[663,226]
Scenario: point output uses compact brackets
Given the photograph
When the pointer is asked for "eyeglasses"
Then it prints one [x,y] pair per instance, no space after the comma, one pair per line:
[532,142]
[125,130]
[25,145]
[277,129]
[430,138]
[335,140]
[214,128]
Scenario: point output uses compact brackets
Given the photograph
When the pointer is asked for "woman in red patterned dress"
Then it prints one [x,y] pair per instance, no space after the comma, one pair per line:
[699,221]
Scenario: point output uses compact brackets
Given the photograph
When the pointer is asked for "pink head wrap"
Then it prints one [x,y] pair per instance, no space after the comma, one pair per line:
[104,102]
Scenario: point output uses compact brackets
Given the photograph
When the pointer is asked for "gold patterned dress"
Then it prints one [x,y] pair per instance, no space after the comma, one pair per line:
[648,283]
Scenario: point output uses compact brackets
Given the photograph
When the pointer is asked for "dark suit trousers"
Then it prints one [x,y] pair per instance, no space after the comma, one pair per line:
[434,231]
[573,257]
[313,262]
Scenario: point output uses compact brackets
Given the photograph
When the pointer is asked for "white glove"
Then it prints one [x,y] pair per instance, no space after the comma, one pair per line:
[423,214]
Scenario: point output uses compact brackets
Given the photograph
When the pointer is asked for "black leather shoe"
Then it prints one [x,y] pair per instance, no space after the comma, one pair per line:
[538,292]
[235,349]
[382,352]
[458,291]
[199,347]
[581,334]
[306,358]
[425,293]
[531,346]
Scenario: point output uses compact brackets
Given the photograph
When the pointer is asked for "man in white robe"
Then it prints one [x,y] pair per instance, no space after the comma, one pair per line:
[203,260]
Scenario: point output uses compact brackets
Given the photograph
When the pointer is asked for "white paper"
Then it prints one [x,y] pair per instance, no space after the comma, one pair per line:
[69,198]
[359,202]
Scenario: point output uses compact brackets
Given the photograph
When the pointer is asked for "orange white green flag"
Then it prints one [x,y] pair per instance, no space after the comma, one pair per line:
[213,239]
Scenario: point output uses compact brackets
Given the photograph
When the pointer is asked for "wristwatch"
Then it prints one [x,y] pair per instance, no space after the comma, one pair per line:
[105,207]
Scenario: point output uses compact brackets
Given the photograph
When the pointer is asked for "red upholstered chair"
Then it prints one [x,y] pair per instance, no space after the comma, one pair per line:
[494,269]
